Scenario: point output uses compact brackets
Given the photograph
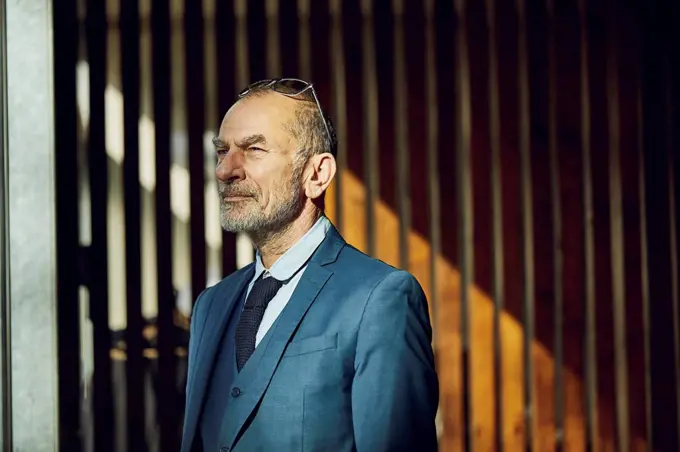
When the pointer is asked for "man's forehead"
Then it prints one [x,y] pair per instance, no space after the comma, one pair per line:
[265,115]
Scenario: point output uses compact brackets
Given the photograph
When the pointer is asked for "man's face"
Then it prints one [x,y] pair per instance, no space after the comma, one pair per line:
[259,176]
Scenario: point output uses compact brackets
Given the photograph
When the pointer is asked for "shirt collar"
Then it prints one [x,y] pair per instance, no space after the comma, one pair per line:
[297,256]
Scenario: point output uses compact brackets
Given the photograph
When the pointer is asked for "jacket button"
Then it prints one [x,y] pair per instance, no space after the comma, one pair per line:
[224,449]
[235,392]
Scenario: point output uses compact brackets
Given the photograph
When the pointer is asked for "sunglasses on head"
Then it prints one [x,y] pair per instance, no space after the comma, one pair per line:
[290,87]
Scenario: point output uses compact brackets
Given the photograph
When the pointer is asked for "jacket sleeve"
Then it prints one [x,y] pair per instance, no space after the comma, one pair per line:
[197,322]
[395,389]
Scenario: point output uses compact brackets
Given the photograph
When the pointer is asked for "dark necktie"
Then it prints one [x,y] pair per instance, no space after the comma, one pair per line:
[260,295]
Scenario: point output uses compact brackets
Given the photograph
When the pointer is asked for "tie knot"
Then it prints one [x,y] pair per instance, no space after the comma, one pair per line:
[264,290]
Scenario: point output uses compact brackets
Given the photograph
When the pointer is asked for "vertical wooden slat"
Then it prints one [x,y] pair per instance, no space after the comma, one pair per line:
[305,40]
[289,32]
[134,365]
[242,43]
[96,26]
[617,243]
[449,338]
[195,102]
[669,129]
[590,344]
[387,223]
[370,94]
[497,219]
[339,103]
[65,23]
[351,186]
[256,21]
[227,89]
[273,48]
[558,313]
[656,23]
[433,195]
[465,231]
[168,416]
[644,259]
[527,226]
[481,307]
[401,136]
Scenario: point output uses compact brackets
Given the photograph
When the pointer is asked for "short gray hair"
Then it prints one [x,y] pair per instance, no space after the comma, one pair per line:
[308,126]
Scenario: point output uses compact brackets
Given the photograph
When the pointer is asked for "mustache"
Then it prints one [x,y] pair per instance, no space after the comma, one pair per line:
[232,191]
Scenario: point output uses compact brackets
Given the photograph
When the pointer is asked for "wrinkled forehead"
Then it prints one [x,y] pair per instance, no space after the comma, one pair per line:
[267,115]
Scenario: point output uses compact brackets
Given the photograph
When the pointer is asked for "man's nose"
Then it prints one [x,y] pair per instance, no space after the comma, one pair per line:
[230,167]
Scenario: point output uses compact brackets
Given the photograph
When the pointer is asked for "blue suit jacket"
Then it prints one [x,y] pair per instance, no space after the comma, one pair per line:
[348,365]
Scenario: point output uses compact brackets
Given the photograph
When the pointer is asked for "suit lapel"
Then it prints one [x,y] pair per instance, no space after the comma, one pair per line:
[255,376]
[218,313]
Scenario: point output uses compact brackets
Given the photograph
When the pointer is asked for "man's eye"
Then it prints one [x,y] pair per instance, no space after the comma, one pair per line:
[255,148]
[221,152]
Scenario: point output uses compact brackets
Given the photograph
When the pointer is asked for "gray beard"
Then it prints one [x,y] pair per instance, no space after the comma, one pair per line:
[248,216]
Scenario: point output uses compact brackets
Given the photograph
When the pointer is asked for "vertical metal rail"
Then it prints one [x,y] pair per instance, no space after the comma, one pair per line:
[370,96]
[167,410]
[465,236]
[339,102]
[558,277]
[96,26]
[66,38]
[497,217]
[195,101]
[134,365]
[527,225]
[590,343]
[433,195]
[402,181]
[617,242]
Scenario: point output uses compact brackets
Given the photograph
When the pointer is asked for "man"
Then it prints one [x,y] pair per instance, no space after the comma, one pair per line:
[315,346]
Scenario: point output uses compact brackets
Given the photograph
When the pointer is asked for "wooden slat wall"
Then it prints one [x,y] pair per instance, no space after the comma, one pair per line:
[519,158]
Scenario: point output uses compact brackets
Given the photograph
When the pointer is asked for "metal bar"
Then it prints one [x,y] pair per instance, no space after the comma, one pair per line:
[66,160]
[558,316]
[195,101]
[527,225]
[617,242]
[226,92]
[134,364]
[370,95]
[167,411]
[6,440]
[401,134]
[339,102]
[497,217]
[96,29]
[590,343]
[433,195]
[465,232]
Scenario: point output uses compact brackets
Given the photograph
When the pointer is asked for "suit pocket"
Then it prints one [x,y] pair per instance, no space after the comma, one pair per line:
[312,344]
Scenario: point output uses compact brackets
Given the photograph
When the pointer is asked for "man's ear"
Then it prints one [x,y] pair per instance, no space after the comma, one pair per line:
[321,171]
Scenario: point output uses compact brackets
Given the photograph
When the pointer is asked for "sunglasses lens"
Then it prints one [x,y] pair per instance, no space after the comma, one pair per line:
[291,86]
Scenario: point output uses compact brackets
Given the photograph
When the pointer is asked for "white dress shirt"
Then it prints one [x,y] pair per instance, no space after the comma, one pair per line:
[288,269]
